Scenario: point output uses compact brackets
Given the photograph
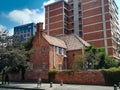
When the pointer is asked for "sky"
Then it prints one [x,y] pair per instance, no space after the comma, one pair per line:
[17,12]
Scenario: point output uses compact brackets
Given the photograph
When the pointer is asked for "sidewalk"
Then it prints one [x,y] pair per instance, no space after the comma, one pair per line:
[30,86]
[46,86]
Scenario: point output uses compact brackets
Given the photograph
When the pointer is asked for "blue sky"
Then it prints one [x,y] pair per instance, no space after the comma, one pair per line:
[17,12]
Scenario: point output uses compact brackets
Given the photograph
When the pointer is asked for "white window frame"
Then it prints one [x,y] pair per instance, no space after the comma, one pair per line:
[60,67]
[59,50]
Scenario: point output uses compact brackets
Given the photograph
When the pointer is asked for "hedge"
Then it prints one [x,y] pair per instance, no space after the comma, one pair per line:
[111,76]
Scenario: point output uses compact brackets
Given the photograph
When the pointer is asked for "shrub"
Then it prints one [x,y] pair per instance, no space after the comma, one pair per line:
[110,62]
[111,76]
[52,74]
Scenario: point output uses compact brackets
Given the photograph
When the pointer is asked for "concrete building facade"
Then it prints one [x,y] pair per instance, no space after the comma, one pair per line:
[96,21]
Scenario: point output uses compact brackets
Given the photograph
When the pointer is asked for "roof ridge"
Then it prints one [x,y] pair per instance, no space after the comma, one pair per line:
[54,41]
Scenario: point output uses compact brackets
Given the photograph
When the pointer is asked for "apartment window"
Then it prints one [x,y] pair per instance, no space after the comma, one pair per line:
[28,34]
[59,50]
[79,5]
[72,11]
[65,31]
[72,4]
[80,19]
[24,35]
[60,67]
[65,11]
[66,18]
[79,12]
[29,26]
[80,33]
[24,31]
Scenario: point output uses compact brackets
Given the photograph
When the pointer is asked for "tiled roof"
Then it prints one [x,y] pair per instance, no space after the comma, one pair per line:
[55,41]
[74,42]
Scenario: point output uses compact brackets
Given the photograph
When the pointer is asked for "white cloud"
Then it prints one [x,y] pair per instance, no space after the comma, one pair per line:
[26,16]
[49,2]
[29,15]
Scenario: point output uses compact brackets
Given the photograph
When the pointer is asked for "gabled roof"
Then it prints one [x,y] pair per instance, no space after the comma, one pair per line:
[54,41]
[74,42]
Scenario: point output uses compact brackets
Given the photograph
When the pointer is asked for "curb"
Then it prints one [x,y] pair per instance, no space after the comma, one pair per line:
[13,87]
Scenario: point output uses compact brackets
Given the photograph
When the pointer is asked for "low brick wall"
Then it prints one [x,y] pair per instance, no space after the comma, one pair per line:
[81,77]
[0,76]
[13,77]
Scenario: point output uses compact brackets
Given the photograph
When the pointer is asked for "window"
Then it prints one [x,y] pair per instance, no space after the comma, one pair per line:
[28,34]
[72,4]
[24,35]
[80,33]
[60,67]
[43,66]
[65,31]
[43,49]
[72,11]
[79,5]
[59,50]
[79,12]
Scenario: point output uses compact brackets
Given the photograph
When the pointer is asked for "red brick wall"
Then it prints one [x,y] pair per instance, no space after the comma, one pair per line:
[55,58]
[81,77]
[71,56]
[54,22]
[39,57]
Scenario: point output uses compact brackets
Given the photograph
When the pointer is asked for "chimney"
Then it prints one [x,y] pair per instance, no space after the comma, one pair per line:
[39,27]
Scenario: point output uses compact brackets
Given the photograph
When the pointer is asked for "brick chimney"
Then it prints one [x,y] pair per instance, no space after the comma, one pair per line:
[39,27]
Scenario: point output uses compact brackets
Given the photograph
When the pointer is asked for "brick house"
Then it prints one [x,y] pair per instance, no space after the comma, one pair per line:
[48,53]
[75,46]
[53,52]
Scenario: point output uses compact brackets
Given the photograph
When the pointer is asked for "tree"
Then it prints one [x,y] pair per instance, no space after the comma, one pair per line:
[94,58]
[15,58]
[110,62]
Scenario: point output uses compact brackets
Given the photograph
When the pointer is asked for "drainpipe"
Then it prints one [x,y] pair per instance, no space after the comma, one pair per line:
[53,56]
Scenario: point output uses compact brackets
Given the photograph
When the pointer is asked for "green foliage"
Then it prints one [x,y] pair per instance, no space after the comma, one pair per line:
[53,71]
[91,58]
[15,57]
[52,74]
[110,62]
[79,63]
[94,58]
[112,75]
[28,45]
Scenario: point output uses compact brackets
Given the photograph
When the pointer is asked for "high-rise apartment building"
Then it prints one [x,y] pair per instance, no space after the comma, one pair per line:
[25,32]
[96,21]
